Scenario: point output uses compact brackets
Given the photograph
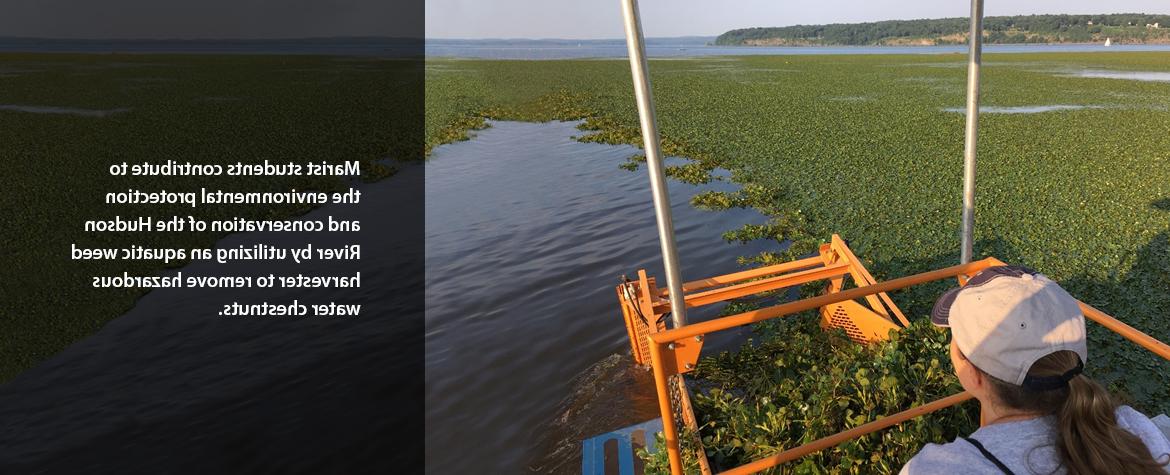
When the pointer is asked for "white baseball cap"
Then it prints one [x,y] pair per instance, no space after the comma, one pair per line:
[1007,317]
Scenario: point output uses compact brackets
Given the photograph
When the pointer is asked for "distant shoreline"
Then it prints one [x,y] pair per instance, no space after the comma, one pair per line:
[1054,43]
[559,50]
[1121,28]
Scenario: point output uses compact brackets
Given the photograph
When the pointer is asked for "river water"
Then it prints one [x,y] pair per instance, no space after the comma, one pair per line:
[527,231]
[172,387]
[526,354]
[698,47]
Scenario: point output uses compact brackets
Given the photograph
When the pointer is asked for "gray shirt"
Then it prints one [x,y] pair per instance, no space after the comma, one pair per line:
[1026,447]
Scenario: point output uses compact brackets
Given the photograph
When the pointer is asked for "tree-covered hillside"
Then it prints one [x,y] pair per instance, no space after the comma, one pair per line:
[1121,28]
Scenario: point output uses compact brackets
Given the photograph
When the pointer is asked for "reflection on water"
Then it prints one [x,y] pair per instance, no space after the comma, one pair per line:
[1131,75]
[62,110]
[170,387]
[1022,109]
[527,232]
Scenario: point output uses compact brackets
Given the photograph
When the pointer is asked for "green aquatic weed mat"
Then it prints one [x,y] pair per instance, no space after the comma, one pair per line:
[795,384]
[865,146]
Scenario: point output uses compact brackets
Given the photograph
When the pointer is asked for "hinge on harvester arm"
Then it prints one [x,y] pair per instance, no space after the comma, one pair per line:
[680,356]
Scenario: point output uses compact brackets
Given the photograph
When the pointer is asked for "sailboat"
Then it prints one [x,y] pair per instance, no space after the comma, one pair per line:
[1108,41]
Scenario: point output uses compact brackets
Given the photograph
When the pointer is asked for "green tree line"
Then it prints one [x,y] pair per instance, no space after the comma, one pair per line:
[998,29]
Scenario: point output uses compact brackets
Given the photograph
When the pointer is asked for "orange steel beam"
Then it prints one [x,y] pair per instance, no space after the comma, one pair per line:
[875,303]
[868,279]
[669,432]
[859,278]
[754,316]
[750,274]
[840,437]
[1130,333]
[757,286]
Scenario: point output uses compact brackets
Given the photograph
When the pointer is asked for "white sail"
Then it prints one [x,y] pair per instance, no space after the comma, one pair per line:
[1108,41]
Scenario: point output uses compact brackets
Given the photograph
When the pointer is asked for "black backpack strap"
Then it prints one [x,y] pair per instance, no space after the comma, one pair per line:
[1003,468]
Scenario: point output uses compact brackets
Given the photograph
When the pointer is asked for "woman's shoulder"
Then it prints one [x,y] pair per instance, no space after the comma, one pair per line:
[961,456]
[1140,425]
[953,457]
[1134,421]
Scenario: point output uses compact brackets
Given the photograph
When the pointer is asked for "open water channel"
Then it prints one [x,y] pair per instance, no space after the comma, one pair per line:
[527,231]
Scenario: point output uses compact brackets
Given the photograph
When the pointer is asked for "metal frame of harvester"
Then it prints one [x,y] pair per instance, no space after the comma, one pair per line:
[853,300]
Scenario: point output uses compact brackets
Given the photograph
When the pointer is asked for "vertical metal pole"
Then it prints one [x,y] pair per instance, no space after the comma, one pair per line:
[973,63]
[646,115]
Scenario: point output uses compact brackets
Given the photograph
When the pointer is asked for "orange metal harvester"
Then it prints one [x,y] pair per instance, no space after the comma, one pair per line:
[853,300]
[644,305]
[864,311]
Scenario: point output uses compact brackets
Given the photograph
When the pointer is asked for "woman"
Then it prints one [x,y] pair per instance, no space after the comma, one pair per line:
[1018,346]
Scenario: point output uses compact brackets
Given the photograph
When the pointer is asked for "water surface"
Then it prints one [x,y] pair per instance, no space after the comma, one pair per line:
[527,232]
[698,46]
[63,110]
[1022,109]
[172,387]
[1130,75]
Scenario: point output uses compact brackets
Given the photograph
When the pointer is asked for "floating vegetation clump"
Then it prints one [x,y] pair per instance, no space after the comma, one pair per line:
[796,384]
[457,131]
[633,162]
[694,173]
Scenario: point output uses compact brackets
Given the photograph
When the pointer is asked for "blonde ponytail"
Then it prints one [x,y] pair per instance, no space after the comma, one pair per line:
[1089,439]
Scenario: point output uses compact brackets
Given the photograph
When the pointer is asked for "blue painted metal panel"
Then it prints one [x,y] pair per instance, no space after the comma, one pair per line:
[593,448]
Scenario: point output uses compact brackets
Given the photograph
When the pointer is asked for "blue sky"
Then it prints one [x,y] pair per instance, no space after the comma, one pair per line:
[579,19]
